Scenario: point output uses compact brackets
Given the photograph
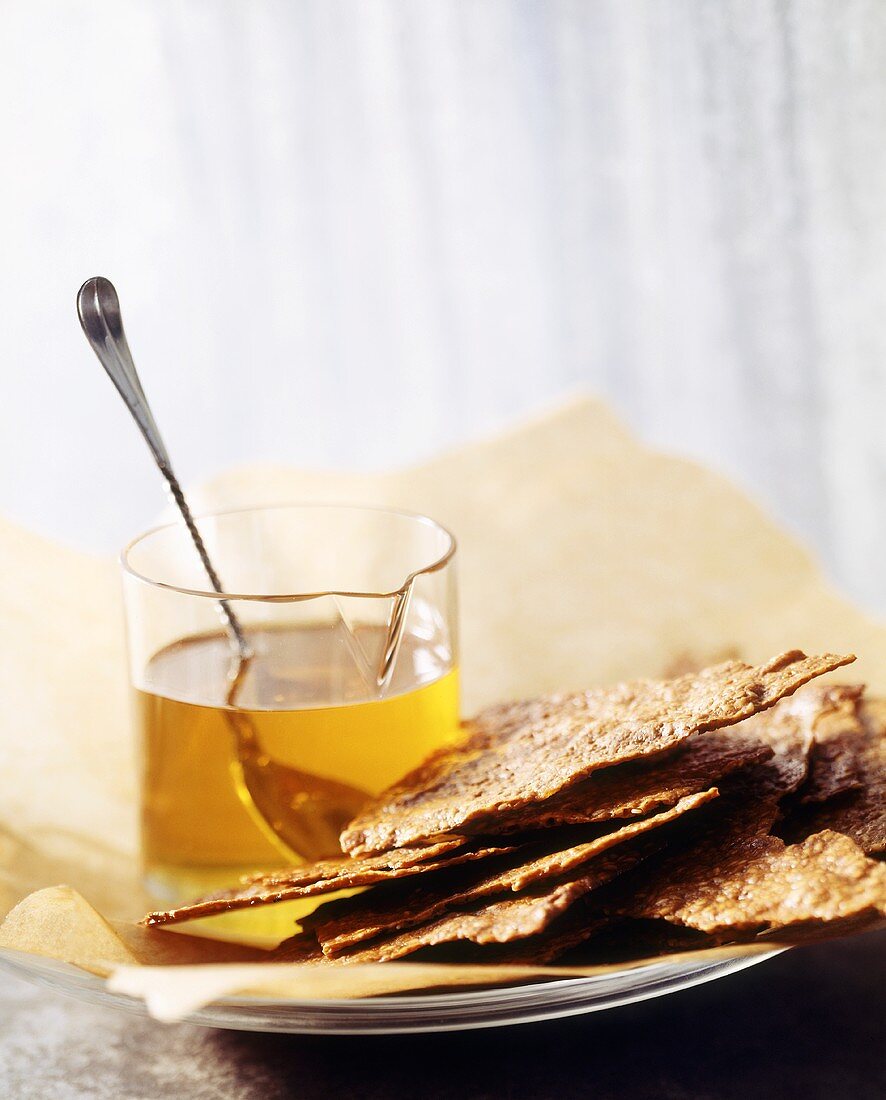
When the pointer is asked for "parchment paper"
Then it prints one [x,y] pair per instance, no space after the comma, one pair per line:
[584,558]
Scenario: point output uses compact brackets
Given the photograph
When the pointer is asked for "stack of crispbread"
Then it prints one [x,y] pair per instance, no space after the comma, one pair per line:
[639,819]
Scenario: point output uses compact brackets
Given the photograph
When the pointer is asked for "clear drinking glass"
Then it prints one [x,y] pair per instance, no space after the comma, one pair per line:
[248,764]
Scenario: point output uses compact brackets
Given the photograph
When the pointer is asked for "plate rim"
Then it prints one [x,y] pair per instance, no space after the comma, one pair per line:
[244,1013]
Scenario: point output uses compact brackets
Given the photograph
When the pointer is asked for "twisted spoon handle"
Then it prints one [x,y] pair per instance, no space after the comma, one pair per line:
[98,308]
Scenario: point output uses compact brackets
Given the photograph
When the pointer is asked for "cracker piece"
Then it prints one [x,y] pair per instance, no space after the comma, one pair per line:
[328,876]
[505,919]
[833,768]
[356,920]
[758,883]
[838,737]
[736,849]
[642,787]
[524,753]
[860,813]
[496,922]
[300,948]
[583,921]
[754,796]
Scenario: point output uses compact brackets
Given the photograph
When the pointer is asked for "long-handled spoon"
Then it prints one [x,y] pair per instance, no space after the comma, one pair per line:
[298,812]
[98,308]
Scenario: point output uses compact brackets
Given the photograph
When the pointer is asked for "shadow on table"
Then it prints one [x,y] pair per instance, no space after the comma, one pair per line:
[807,1024]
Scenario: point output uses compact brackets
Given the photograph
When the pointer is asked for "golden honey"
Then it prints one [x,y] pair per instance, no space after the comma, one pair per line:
[248,768]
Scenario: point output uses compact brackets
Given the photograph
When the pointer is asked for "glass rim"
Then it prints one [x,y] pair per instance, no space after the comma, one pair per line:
[288,597]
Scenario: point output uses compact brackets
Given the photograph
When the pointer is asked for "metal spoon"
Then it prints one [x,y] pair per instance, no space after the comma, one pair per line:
[300,814]
[98,308]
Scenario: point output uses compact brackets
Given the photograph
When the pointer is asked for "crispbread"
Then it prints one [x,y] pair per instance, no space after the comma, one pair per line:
[326,877]
[838,735]
[833,768]
[736,877]
[523,753]
[355,920]
[566,845]
[642,787]
[506,919]
[300,948]
[788,733]
[751,803]
[859,813]
[758,883]
[581,922]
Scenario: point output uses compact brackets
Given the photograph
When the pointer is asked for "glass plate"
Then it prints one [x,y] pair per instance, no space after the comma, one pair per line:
[450,1011]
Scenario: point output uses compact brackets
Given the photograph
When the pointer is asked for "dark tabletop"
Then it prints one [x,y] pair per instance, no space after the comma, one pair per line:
[811,1023]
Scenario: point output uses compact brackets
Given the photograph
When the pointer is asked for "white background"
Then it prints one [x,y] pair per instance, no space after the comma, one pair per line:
[350,234]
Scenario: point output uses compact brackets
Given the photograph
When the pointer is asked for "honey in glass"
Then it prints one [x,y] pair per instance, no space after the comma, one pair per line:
[254,758]
[235,785]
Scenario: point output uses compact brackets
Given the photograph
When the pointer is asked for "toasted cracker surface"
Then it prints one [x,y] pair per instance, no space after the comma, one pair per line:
[581,922]
[327,876]
[501,920]
[642,787]
[789,736]
[360,919]
[730,877]
[759,882]
[859,813]
[838,736]
[524,753]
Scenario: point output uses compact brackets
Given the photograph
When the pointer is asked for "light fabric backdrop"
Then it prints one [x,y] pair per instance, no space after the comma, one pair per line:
[350,234]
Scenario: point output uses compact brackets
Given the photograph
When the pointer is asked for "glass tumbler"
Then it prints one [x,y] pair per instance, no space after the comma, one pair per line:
[254,761]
